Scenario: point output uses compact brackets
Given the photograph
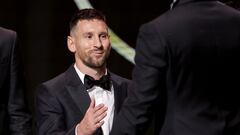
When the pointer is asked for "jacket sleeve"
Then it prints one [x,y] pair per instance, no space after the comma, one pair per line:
[49,114]
[148,75]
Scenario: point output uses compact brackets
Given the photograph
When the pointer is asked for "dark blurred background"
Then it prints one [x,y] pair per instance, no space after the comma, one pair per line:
[42,27]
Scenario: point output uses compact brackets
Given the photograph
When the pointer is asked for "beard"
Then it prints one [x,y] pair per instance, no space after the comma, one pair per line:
[94,62]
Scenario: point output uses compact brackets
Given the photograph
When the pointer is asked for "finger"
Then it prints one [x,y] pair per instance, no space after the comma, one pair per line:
[98,107]
[101,117]
[99,112]
[99,124]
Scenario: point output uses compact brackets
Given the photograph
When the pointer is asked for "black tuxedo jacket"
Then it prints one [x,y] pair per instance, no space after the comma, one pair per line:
[187,70]
[62,102]
[14,117]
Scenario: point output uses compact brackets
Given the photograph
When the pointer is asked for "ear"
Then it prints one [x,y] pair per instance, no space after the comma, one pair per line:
[71,44]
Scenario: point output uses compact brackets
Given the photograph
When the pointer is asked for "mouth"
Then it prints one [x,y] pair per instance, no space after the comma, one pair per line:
[98,53]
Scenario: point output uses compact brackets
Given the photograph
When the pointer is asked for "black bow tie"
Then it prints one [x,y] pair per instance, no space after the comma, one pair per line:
[103,82]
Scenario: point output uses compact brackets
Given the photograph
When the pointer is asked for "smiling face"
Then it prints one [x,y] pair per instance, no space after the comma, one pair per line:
[89,41]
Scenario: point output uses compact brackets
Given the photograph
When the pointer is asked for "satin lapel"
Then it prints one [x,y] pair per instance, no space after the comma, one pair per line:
[80,97]
[117,99]
[117,96]
[77,91]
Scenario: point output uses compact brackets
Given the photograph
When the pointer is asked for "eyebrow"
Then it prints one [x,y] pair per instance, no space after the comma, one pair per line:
[87,33]
[104,33]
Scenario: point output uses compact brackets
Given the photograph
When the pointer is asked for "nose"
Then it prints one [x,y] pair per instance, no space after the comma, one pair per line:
[98,42]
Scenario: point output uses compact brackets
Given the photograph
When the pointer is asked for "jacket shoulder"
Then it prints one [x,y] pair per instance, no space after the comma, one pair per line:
[7,34]
[118,79]
[57,82]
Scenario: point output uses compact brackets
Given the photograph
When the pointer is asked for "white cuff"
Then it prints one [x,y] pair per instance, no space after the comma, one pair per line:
[76,129]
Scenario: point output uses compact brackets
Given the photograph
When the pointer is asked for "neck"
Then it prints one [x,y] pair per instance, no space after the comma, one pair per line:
[96,73]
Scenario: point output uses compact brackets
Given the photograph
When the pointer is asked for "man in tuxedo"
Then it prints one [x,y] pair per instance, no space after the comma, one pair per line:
[14,115]
[84,99]
[187,70]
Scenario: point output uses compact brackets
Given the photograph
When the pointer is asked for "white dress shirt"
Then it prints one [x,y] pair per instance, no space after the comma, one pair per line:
[101,96]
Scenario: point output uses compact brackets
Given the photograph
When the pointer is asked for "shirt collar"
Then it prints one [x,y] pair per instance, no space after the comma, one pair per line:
[82,75]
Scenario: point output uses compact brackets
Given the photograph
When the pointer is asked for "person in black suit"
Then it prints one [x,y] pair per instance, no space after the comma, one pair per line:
[15,118]
[84,99]
[187,73]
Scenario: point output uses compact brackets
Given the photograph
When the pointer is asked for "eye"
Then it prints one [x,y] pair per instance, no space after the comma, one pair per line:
[88,36]
[103,36]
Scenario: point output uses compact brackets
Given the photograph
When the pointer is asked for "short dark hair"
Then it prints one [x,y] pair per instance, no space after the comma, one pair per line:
[86,14]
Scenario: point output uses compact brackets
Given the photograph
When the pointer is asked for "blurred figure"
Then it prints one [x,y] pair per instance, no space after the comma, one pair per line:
[14,115]
[84,99]
[187,73]
[233,3]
